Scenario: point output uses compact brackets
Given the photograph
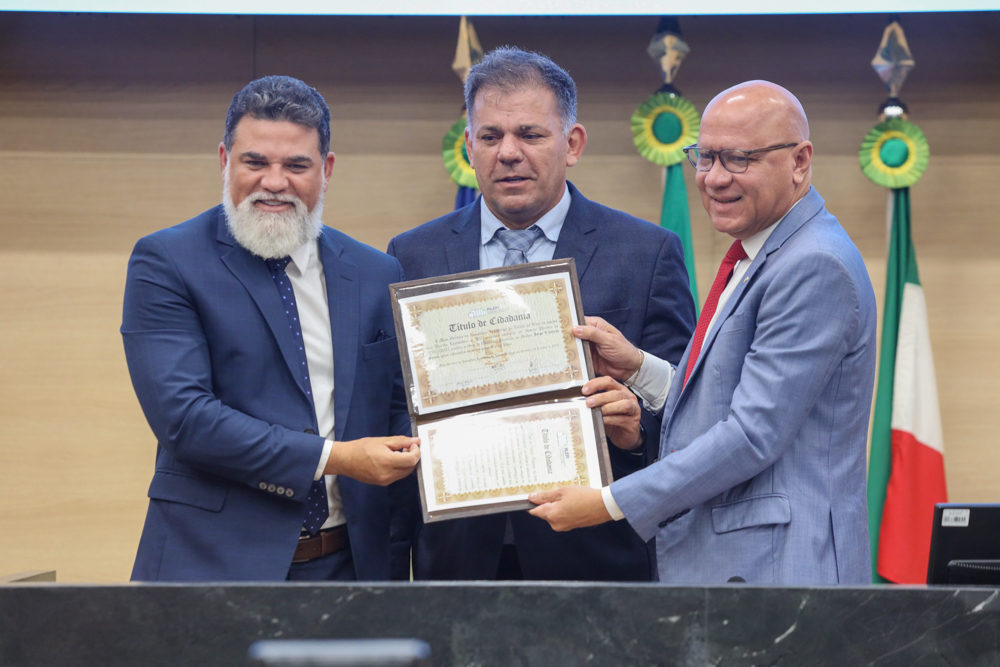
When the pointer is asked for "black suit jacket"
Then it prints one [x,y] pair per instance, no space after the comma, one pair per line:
[632,274]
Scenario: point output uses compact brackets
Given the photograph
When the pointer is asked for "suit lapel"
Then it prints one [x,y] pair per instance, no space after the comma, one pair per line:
[810,205]
[344,299]
[462,246]
[576,239]
[253,273]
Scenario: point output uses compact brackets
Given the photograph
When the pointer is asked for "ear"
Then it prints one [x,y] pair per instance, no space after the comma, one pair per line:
[223,159]
[328,169]
[468,148]
[802,157]
[576,141]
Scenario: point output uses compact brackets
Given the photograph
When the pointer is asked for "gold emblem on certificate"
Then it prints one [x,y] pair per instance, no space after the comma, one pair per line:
[493,374]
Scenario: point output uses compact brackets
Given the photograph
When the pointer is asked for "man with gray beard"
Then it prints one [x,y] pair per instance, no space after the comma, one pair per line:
[262,350]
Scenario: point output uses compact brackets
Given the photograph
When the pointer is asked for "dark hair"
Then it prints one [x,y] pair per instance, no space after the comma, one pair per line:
[508,68]
[280,98]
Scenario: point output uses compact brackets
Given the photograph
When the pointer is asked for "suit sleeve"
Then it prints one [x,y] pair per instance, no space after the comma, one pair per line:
[405,514]
[806,321]
[168,359]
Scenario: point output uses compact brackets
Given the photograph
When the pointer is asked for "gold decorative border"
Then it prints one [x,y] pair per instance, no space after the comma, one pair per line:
[573,369]
[579,450]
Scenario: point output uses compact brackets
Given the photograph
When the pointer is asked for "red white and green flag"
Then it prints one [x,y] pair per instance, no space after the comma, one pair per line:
[906,469]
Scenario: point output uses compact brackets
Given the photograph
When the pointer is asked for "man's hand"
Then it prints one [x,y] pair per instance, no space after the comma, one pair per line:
[570,507]
[613,354]
[379,461]
[620,410]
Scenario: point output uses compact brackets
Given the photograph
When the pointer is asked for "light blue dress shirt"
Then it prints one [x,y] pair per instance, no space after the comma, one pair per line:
[491,251]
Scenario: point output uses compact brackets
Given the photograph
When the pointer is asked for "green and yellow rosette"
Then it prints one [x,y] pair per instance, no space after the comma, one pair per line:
[894,154]
[662,126]
[456,160]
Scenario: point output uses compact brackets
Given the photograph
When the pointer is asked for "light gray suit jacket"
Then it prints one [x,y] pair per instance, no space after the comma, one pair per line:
[761,473]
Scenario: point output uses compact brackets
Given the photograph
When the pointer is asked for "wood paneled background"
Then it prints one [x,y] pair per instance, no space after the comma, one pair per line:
[108,131]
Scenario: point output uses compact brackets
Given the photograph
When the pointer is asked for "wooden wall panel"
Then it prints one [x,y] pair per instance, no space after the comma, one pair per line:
[108,131]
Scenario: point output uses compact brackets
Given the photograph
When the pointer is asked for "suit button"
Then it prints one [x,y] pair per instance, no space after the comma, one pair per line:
[656,460]
[289,493]
[663,524]
[310,431]
[262,486]
[271,488]
[281,490]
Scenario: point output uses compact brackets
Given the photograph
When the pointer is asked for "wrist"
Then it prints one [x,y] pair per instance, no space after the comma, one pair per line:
[637,448]
[336,462]
[635,372]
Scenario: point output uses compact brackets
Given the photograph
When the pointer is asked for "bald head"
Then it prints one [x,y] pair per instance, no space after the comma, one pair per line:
[763,104]
[749,117]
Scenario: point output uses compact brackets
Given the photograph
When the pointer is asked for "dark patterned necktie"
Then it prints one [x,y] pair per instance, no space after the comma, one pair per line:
[317,506]
[517,242]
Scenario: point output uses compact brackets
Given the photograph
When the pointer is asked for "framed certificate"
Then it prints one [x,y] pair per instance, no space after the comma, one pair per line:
[493,373]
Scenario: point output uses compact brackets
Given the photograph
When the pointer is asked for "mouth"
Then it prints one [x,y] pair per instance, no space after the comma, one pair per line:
[272,203]
[513,180]
[720,200]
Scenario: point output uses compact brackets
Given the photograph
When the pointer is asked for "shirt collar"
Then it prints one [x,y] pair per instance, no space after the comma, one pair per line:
[551,223]
[753,245]
[303,256]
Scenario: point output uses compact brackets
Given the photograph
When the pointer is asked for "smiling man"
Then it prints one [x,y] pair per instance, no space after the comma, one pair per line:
[761,470]
[261,348]
[521,139]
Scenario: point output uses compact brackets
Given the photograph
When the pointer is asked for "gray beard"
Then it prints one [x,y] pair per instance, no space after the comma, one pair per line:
[271,235]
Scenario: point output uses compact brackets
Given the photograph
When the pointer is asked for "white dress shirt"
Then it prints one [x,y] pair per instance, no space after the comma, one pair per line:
[653,379]
[305,272]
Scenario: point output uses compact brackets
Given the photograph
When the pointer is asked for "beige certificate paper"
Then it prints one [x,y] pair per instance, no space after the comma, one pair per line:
[505,455]
[493,375]
[491,340]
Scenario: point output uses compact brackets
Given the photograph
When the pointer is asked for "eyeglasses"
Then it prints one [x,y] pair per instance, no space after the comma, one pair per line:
[733,159]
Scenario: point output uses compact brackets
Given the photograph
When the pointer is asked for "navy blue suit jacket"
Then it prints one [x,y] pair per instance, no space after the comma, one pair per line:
[211,357]
[632,274]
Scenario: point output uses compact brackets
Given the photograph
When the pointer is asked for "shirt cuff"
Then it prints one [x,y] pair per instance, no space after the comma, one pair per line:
[652,382]
[323,458]
[611,505]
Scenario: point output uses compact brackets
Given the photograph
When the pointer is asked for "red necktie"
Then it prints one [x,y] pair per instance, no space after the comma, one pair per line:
[735,254]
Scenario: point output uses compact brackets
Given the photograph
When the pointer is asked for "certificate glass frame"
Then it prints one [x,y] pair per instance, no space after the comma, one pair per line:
[493,375]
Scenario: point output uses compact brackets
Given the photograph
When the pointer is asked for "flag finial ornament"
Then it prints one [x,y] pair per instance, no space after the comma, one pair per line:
[468,52]
[893,62]
[667,49]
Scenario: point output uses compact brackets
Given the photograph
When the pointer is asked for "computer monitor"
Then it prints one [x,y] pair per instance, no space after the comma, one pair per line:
[965,545]
[340,653]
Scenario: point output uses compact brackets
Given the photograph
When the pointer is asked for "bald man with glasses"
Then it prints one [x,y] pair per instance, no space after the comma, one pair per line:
[761,472]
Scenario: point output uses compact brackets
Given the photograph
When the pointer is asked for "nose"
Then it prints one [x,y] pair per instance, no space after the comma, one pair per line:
[510,151]
[274,179]
[718,176]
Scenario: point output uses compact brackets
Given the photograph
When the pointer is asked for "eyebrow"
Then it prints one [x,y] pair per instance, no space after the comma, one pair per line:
[521,128]
[253,155]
